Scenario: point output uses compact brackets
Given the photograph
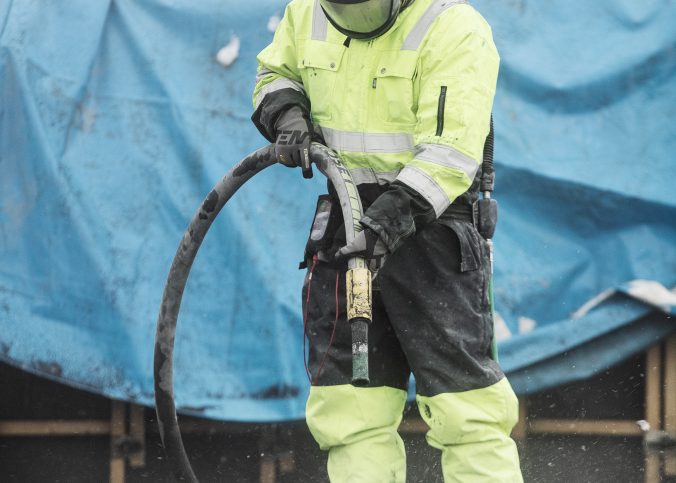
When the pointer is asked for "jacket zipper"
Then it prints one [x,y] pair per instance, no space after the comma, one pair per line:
[440,111]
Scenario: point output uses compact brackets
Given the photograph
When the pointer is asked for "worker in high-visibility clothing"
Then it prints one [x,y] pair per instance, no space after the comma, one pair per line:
[403,91]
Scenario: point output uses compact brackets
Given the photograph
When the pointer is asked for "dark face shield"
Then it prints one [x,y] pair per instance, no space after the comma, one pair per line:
[361,19]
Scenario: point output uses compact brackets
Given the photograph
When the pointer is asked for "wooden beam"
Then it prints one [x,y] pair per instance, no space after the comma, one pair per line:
[117,431]
[54,428]
[137,431]
[670,402]
[413,425]
[598,427]
[205,426]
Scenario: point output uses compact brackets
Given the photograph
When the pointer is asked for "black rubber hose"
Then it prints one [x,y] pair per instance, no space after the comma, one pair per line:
[329,164]
[487,168]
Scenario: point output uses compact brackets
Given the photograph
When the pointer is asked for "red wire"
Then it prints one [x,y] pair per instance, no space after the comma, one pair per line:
[333,333]
[305,319]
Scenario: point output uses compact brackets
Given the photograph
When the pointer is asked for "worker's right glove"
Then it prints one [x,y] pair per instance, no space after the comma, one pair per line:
[294,134]
[397,214]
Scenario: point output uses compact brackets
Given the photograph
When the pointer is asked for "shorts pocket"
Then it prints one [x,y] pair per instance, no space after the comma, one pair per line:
[473,257]
[470,245]
[325,223]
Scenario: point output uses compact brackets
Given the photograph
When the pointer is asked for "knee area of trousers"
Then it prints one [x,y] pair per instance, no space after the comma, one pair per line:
[344,414]
[480,414]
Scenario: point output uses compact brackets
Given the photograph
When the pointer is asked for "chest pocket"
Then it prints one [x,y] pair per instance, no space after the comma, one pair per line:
[319,63]
[395,98]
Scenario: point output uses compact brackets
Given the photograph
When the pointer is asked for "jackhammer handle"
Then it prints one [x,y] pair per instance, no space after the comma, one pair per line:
[358,277]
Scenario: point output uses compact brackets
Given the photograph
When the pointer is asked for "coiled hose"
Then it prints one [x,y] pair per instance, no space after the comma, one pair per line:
[331,166]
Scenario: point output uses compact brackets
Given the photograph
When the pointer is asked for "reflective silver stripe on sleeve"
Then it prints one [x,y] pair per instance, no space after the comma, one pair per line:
[448,157]
[320,24]
[361,142]
[417,34]
[262,73]
[277,84]
[424,184]
[367,175]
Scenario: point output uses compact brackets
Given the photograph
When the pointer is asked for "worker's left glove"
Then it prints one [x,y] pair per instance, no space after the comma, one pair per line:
[294,134]
[366,244]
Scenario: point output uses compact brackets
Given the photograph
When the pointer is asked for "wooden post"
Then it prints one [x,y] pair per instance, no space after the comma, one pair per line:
[670,402]
[653,387]
[286,462]
[268,472]
[137,431]
[117,431]
[520,431]
[653,407]
[266,447]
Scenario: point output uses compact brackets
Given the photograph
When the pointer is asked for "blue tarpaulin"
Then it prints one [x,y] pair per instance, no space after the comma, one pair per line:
[116,119]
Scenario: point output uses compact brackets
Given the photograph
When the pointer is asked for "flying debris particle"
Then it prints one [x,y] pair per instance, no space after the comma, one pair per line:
[273,23]
[228,54]
[526,325]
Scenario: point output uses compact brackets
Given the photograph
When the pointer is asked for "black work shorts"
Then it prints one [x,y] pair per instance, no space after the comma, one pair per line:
[431,315]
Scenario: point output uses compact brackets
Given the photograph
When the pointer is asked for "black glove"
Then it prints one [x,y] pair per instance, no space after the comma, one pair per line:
[294,134]
[397,214]
[367,244]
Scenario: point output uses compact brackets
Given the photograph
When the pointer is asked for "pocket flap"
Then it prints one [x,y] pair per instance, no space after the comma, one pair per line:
[321,55]
[397,63]
[470,243]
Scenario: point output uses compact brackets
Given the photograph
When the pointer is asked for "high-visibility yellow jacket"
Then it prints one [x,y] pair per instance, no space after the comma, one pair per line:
[413,104]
